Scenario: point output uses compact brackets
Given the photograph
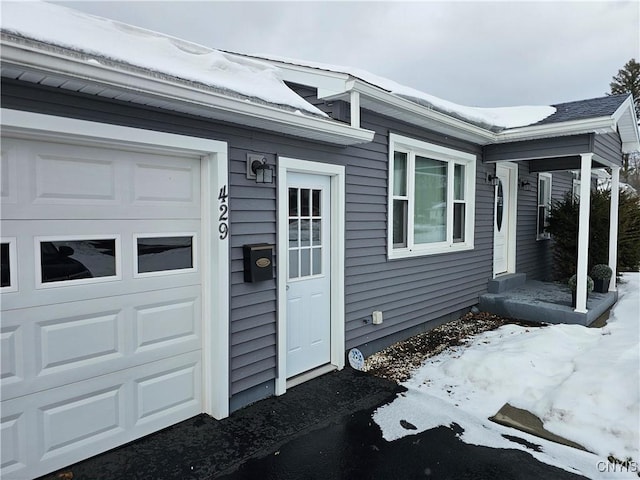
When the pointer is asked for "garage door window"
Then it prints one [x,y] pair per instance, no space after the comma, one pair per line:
[8,259]
[78,260]
[158,254]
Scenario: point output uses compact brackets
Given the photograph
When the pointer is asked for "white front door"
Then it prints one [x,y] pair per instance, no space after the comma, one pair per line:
[308,273]
[504,220]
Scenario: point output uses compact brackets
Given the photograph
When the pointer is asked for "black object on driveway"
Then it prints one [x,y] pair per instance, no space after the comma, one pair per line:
[321,429]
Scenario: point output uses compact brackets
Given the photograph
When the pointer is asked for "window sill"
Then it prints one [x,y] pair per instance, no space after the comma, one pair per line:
[543,237]
[423,252]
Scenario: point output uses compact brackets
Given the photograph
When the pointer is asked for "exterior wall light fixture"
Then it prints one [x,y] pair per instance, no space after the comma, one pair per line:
[258,169]
[524,185]
[492,179]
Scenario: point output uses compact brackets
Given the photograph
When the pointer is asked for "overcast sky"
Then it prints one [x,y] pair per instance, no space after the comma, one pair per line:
[472,53]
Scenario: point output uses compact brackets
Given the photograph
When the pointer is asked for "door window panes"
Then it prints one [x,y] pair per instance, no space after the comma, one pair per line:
[305,232]
[64,260]
[158,254]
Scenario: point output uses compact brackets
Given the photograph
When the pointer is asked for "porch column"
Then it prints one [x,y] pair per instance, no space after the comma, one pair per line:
[613,225]
[583,232]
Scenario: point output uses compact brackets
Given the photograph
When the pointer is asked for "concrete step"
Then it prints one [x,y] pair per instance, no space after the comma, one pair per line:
[505,282]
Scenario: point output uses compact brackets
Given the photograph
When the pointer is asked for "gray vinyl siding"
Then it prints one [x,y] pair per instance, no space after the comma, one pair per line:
[336,109]
[538,149]
[609,147]
[534,257]
[411,292]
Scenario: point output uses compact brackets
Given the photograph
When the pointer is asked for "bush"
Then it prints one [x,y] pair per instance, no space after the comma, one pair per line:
[573,284]
[601,271]
[563,226]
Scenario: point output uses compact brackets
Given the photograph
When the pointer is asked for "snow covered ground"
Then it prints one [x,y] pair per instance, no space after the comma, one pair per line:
[583,383]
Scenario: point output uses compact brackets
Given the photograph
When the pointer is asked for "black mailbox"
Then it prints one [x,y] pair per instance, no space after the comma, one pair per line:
[258,262]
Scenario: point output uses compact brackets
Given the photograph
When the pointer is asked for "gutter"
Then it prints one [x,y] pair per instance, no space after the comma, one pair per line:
[575,127]
[189,99]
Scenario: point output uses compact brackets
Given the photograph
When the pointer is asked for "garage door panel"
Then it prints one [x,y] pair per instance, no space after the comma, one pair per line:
[72,179]
[156,184]
[13,430]
[80,418]
[11,354]
[166,391]
[79,340]
[159,325]
[70,343]
[70,423]
[9,174]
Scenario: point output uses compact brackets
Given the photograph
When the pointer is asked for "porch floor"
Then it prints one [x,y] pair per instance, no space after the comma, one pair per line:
[547,302]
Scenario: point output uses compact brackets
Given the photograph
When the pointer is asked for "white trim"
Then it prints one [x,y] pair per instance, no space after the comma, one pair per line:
[613,226]
[215,251]
[338,195]
[411,146]
[38,240]
[574,127]
[13,265]
[215,288]
[543,176]
[513,217]
[175,271]
[26,124]
[583,233]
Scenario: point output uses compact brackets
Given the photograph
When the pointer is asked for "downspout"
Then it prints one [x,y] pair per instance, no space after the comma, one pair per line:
[354,99]
[583,233]
[613,225]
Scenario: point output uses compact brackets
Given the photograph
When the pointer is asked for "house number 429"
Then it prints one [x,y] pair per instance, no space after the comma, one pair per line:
[223,219]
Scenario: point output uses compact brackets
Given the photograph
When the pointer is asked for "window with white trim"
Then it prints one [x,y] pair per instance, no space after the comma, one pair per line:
[431,198]
[164,253]
[80,259]
[544,205]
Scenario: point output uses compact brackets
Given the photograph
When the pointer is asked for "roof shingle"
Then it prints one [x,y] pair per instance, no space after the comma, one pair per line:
[583,109]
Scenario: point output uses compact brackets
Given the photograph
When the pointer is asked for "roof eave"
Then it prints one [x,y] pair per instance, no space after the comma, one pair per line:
[575,127]
[186,98]
[627,124]
[393,106]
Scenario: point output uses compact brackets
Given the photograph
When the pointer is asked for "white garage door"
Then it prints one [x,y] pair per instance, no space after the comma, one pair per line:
[101,299]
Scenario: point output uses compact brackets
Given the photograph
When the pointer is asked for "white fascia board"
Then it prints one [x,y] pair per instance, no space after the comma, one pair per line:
[576,127]
[244,112]
[421,114]
[625,118]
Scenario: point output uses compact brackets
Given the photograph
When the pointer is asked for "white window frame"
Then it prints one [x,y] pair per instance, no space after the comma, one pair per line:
[543,177]
[575,188]
[13,265]
[81,281]
[177,271]
[413,147]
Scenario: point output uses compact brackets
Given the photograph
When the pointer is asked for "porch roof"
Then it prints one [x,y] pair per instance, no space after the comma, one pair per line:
[559,153]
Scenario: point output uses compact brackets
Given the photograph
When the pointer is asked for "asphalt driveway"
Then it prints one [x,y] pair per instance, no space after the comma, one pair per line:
[321,429]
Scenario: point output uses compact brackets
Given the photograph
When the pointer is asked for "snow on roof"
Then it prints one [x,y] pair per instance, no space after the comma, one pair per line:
[115,41]
[504,117]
